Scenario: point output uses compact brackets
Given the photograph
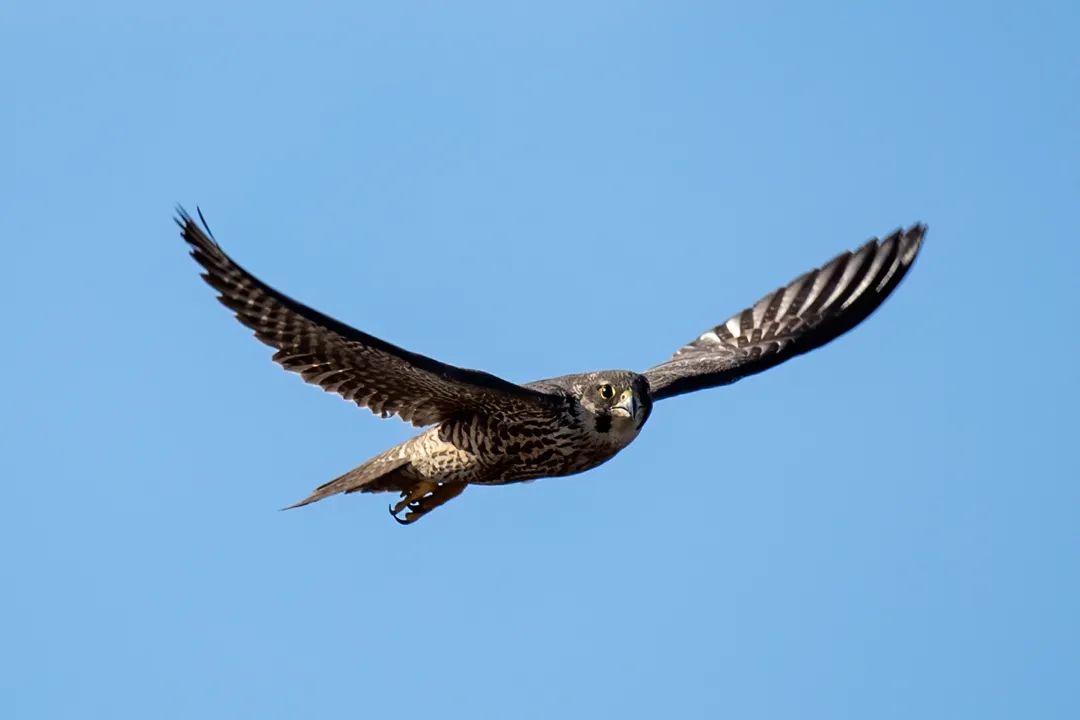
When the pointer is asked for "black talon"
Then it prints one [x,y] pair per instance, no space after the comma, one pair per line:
[398,520]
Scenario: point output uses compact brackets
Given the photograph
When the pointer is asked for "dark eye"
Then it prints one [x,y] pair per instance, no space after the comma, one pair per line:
[607,391]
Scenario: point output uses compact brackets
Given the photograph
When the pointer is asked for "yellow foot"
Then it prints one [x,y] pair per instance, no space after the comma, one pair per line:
[424,497]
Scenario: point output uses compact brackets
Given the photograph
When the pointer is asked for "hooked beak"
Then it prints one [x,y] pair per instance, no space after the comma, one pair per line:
[628,405]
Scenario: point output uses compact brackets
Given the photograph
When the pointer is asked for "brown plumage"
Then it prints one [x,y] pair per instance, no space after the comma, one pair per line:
[488,431]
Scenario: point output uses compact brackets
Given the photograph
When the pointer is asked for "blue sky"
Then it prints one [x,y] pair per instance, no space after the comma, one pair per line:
[886,528]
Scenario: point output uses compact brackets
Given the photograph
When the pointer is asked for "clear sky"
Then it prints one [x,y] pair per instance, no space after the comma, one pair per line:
[885,529]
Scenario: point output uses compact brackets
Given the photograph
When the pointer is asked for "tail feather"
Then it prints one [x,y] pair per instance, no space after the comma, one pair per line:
[359,479]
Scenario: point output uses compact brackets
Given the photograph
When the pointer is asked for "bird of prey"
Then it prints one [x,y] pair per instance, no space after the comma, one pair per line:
[488,431]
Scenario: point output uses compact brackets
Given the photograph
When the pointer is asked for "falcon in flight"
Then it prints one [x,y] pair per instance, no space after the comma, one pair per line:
[487,431]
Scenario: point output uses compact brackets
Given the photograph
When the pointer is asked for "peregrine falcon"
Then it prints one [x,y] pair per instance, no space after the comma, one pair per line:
[487,431]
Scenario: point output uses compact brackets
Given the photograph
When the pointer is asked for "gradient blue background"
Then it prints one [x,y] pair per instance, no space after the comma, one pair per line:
[885,529]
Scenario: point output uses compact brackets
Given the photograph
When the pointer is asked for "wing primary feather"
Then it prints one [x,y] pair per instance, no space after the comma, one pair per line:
[810,311]
[360,367]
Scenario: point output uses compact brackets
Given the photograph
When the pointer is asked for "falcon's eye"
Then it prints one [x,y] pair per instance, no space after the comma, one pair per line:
[607,391]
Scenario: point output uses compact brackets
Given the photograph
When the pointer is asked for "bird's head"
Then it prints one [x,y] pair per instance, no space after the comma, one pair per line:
[618,401]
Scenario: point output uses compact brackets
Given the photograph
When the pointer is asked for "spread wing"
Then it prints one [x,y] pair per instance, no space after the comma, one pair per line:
[374,374]
[812,310]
